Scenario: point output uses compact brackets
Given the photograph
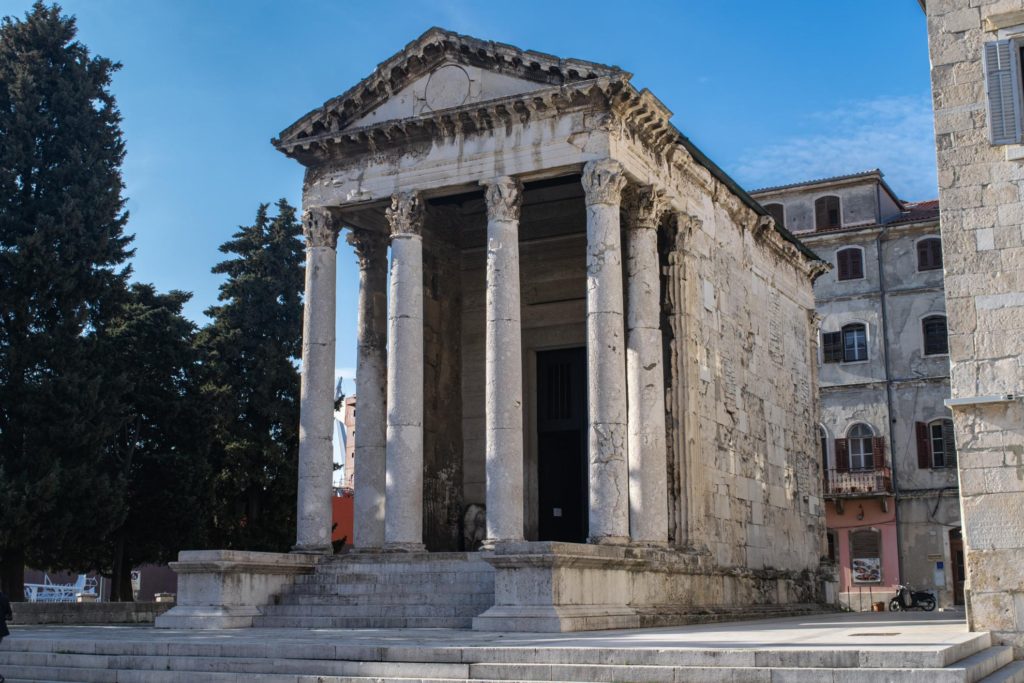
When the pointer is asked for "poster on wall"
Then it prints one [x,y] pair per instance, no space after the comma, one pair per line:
[867,570]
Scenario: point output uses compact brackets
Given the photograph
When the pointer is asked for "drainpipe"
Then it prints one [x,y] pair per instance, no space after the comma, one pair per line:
[888,394]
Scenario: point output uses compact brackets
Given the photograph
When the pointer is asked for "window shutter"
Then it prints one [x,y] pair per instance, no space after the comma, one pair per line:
[842,456]
[856,264]
[843,264]
[1002,91]
[949,442]
[832,347]
[924,446]
[877,452]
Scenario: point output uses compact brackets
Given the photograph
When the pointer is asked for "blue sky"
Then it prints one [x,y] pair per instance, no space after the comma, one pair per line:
[774,92]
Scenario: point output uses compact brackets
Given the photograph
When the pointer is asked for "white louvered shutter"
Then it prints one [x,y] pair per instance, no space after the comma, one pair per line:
[1002,85]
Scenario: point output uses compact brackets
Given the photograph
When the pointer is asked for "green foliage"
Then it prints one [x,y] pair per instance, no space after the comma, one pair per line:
[251,383]
[62,277]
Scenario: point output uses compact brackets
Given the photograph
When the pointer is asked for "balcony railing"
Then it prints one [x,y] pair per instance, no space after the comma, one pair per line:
[875,481]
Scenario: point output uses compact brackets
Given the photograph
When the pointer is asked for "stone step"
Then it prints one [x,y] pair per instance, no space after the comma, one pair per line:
[387,598]
[458,622]
[368,588]
[397,577]
[365,610]
[1011,673]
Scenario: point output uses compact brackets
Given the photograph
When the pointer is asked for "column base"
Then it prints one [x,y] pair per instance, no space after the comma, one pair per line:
[399,547]
[489,543]
[608,540]
[312,549]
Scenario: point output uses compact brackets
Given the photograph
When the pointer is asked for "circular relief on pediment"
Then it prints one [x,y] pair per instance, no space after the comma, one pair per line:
[447,87]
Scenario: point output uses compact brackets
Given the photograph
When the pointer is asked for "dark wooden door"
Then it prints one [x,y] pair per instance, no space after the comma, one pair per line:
[956,554]
[562,445]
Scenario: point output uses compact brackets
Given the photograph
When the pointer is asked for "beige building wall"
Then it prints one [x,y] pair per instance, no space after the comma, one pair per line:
[982,217]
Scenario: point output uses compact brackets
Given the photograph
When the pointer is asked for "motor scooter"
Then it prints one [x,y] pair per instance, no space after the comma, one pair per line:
[910,599]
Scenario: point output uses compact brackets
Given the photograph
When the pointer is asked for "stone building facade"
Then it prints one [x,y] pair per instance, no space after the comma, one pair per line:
[977,93]
[584,328]
[887,448]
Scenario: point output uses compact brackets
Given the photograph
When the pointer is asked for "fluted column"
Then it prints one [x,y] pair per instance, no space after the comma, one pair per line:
[504,364]
[371,389]
[316,408]
[403,516]
[606,362]
[648,492]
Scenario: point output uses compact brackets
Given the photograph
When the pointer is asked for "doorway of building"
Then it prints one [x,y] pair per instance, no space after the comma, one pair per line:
[562,445]
[956,554]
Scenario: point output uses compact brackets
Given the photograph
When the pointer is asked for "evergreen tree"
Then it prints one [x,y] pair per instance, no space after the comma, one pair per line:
[250,352]
[163,445]
[62,276]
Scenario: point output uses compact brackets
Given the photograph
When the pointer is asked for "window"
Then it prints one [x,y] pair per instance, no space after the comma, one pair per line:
[826,212]
[936,446]
[936,338]
[831,546]
[823,437]
[866,556]
[850,263]
[929,254]
[860,446]
[1003,86]
[777,212]
[846,346]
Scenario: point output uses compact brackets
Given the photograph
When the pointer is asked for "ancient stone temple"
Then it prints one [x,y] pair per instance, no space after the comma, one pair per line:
[586,335]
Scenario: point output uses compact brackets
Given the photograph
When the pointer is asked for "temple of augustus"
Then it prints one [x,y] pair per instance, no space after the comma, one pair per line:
[578,340]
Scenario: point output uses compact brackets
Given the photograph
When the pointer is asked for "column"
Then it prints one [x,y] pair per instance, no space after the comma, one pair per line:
[316,408]
[645,381]
[606,355]
[504,364]
[371,389]
[403,516]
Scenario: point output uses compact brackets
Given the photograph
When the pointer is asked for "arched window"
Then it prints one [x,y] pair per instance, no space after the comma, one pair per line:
[860,447]
[776,211]
[936,337]
[929,254]
[850,263]
[826,212]
[855,342]
[866,555]
[936,446]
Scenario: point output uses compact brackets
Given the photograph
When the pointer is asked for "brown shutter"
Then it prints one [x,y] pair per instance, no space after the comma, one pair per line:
[842,456]
[856,268]
[832,347]
[924,446]
[821,214]
[877,452]
[949,442]
[843,264]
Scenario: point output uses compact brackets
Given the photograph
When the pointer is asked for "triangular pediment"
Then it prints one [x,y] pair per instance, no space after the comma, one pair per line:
[442,70]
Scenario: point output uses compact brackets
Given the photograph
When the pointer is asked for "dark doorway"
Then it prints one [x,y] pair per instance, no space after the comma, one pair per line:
[956,554]
[562,445]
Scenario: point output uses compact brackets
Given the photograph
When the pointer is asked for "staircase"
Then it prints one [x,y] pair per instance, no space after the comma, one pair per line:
[143,655]
[393,590]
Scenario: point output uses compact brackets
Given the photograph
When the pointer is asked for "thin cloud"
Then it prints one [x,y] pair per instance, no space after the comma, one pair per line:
[894,134]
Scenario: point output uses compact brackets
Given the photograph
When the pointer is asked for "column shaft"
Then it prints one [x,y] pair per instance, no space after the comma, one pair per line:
[403,518]
[606,363]
[504,365]
[648,488]
[371,390]
[316,410]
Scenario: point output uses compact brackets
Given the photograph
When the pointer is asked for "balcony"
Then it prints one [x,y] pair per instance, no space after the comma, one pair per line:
[876,481]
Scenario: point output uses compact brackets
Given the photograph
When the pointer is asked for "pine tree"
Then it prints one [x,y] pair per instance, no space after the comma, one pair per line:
[163,445]
[250,352]
[62,276]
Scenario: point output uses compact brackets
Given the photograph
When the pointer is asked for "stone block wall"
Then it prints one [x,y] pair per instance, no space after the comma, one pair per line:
[983,251]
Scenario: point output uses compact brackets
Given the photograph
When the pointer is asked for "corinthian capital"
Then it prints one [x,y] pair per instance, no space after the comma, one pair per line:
[644,206]
[320,225]
[603,181]
[504,197]
[371,247]
[405,215]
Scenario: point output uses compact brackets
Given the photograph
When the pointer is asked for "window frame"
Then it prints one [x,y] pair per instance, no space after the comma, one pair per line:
[850,248]
[942,424]
[924,334]
[839,212]
[917,254]
[879,545]
[849,327]
[870,451]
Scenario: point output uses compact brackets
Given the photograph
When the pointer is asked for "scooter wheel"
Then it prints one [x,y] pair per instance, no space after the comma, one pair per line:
[895,605]
[928,605]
